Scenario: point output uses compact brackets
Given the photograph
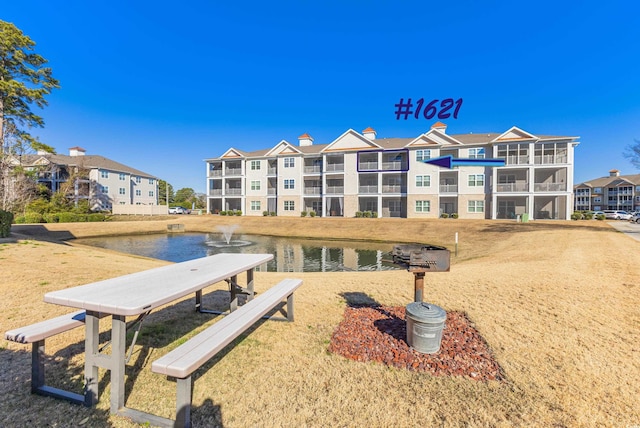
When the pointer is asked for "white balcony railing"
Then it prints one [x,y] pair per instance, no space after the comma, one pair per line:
[372,165]
[215,192]
[549,159]
[335,167]
[313,169]
[233,171]
[513,187]
[215,173]
[271,191]
[448,188]
[393,188]
[334,190]
[549,187]
[516,160]
[233,191]
[394,166]
[368,189]
[312,190]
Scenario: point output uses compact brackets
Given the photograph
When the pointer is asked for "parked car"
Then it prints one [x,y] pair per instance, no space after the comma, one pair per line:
[616,215]
[636,217]
[177,210]
[597,213]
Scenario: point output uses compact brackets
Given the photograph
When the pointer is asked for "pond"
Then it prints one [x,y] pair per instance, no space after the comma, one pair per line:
[290,254]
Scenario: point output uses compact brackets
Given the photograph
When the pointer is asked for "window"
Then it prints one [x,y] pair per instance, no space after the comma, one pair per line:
[138,192]
[255,165]
[476,180]
[122,176]
[476,153]
[597,200]
[105,189]
[151,181]
[423,206]
[289,205]
[104,174]
[255,184]
[423,180]
[475,207]
[138,180]
[150,192]
[289,162]
[290,184]
[597,190]
[122,191]
[255,205]
[423,155]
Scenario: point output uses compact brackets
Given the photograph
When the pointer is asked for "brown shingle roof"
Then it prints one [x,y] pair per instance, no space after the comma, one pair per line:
[87,162]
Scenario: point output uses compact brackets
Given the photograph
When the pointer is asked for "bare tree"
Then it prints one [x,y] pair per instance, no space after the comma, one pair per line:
[632,152]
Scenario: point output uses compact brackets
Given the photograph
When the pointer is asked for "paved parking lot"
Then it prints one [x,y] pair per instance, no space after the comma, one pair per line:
[630,229]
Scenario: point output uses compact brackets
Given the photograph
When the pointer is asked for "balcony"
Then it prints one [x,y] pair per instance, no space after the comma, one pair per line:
[448,188]
[272,170]
[368,165]
[312,190]
[215,173]
[233,191]
[394,188]
[368,189]
[335,167]
[513,187]
[549,159]
[334,190]
[549,187]
[232,171]
[313,169]
[215,192]
[516,160]
[271,191]
[393,166]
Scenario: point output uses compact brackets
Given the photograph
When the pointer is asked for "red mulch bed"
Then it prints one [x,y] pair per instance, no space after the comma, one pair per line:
[378,333]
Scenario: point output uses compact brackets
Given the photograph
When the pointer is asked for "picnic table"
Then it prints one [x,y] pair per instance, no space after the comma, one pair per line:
[138,294]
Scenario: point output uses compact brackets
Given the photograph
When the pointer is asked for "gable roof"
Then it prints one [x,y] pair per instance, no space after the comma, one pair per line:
[85,162]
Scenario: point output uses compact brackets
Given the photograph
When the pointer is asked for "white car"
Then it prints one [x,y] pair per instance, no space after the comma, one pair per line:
[617,215]
[177,210]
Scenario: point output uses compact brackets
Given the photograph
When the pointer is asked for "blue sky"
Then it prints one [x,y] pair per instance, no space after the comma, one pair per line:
[161,86]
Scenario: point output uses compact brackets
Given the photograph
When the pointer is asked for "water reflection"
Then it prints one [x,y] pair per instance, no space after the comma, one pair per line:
[290,255]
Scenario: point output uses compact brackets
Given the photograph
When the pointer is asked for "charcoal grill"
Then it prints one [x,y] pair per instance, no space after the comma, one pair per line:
[420,259]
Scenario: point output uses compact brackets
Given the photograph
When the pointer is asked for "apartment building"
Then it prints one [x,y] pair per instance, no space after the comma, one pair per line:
[359,172]
[103,181]
[615,192]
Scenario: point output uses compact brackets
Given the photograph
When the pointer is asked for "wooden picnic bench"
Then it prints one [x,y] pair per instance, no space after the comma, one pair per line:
[181,362]
[36,334]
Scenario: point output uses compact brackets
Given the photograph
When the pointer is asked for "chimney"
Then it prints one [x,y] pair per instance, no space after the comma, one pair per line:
[614,173]
[305,140]
[440,127]
[76,151]
[369,133]
[41,152]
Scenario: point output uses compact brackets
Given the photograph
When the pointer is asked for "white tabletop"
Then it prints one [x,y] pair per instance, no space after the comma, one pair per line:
[139,292]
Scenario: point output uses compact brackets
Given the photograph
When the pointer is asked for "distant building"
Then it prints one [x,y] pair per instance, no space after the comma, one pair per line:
[358,172]
[615,192]
[102,181]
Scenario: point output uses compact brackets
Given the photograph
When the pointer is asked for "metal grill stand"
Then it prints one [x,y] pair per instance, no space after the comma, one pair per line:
[420,259]
[425,322]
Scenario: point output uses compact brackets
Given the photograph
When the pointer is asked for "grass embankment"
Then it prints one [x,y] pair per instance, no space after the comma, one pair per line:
[557,302]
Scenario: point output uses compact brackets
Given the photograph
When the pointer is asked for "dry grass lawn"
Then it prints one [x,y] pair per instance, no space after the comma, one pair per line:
[557,302]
